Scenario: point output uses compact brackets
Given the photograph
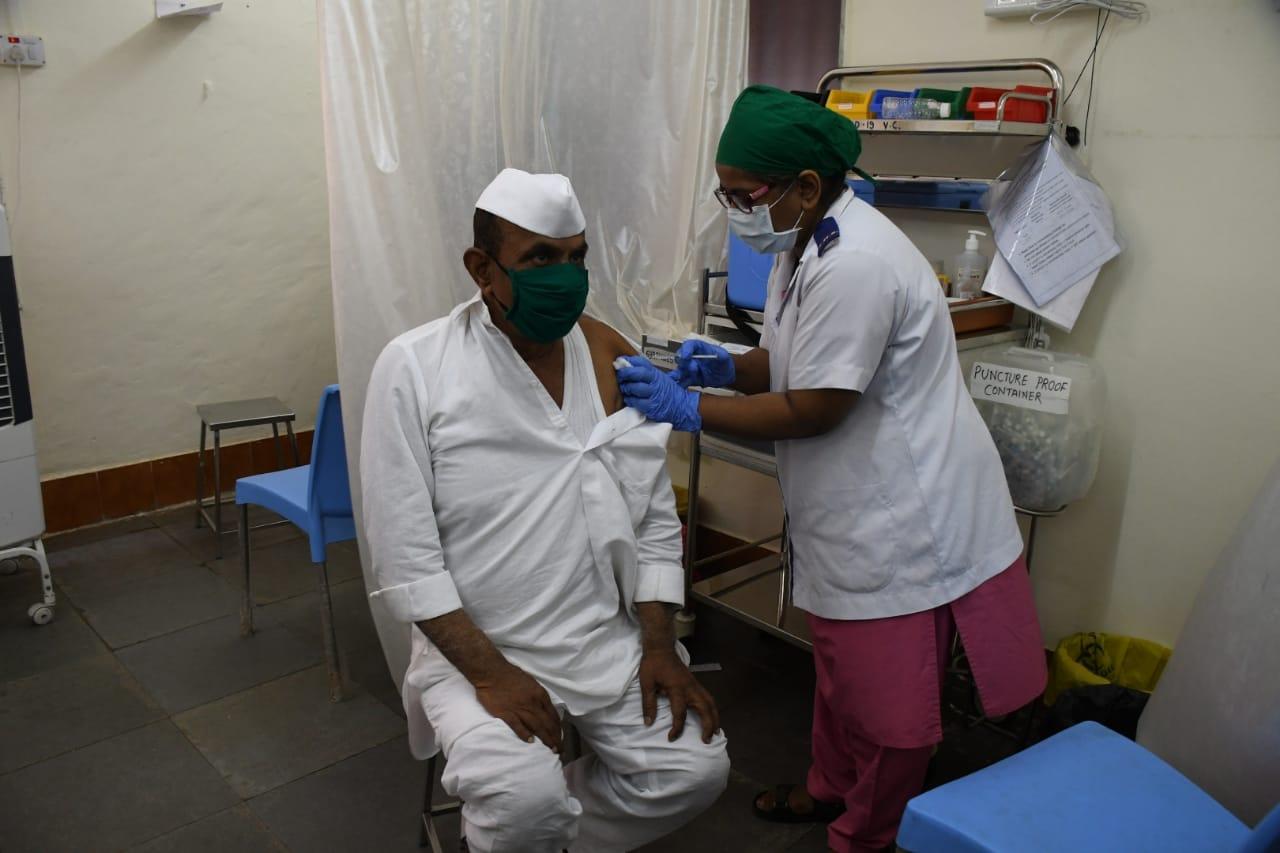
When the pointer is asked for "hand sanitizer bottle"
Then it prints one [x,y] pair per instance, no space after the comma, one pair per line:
[971,269]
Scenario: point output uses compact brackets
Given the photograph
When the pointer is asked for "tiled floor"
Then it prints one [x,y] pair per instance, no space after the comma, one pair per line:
[139,719]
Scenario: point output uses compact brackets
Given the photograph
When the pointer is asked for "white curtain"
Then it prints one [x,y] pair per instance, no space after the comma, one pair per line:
[426,100]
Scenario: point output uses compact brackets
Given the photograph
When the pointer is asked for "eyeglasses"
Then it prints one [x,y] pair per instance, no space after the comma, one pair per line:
[740,199]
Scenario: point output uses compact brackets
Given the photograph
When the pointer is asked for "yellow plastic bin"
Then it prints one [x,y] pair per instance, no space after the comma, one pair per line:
[851,105]
[1093,658]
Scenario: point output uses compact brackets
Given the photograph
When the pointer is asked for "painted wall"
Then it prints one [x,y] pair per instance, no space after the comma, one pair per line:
[1183,324]
[171,236]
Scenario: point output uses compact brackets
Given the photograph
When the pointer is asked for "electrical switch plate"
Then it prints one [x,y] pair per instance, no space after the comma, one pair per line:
[27,51]
[1010,8]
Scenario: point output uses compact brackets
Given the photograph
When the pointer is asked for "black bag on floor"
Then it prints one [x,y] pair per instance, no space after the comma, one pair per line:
[1115,707]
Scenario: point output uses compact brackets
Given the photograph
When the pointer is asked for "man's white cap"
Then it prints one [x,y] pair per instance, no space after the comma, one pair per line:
[543,204]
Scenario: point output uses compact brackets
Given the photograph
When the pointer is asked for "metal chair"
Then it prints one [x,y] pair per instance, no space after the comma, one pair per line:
[316,498]
[428,835]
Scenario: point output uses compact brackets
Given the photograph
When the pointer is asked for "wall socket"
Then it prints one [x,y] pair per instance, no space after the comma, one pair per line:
[27,51]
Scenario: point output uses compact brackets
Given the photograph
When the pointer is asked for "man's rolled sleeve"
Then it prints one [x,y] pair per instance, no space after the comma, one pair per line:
[661,572]
[397,486]
[845,322]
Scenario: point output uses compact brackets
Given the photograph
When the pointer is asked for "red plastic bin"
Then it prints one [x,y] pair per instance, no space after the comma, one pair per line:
[983,102]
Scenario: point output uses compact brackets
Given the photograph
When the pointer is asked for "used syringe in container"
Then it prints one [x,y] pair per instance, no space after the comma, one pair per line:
[1044,410]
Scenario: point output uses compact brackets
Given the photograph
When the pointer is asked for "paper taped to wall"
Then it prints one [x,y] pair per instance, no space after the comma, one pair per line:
[1026,389]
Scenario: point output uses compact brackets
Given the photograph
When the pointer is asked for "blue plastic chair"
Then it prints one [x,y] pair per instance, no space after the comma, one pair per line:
[317,499]
[1207,757]
[1087,788]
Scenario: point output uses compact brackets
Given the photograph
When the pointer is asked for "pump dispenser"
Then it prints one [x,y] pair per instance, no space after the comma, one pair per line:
[971,268]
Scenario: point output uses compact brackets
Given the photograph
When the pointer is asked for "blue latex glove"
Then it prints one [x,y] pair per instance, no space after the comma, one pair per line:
[717,372]
[654,393]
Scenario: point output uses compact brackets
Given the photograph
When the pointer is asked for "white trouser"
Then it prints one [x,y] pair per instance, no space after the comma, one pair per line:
[516,796]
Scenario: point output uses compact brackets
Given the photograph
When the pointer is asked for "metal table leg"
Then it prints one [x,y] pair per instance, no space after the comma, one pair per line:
[275,433]
[685,618]
[1031,539]
[217,494]
[293,440]
[204,429]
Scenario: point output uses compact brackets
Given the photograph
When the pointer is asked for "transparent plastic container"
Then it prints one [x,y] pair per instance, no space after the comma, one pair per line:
[914,108]
[1045,412]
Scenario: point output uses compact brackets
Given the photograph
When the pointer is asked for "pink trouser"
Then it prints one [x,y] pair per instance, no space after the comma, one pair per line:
[877,708]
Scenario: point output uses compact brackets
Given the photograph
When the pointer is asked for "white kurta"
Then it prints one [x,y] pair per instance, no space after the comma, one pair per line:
[479,494]
[903,507]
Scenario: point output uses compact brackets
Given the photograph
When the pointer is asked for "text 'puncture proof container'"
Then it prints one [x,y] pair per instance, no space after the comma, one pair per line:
[1045,412]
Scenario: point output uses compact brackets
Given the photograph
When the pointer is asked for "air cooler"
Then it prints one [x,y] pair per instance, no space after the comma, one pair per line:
[21,509]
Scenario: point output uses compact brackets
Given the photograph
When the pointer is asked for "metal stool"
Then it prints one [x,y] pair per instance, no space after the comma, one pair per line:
[428,836]
[234,415]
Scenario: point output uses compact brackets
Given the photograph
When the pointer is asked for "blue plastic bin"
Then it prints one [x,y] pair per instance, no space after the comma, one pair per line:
[877,99]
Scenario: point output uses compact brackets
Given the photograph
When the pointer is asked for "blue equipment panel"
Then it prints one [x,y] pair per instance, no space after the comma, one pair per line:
[748,276]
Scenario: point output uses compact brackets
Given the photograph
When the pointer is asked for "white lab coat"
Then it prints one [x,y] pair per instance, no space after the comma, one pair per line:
[902,507]
[478,495]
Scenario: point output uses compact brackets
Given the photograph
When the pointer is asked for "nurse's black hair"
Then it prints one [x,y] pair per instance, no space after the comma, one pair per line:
[486,233]
[832,186]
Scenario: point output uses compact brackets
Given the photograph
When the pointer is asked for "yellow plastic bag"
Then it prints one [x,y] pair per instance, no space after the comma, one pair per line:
[1094,658]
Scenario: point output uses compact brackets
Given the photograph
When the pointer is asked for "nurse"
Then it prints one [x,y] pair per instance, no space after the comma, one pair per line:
[900,523]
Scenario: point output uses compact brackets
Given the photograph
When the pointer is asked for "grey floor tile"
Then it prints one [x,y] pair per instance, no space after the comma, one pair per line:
[69,707]
[353,621]
[767,717]
[179,525]
[237,829]
[813,841]
[30,649]
[285,570]
[368,802]
[283,730]
[211,660]
[729,825]
[110,795]
[97,566]
[87,535]
[132,612]
[367,666]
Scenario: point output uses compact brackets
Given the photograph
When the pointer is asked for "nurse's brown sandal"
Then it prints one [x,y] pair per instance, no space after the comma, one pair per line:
[783,813]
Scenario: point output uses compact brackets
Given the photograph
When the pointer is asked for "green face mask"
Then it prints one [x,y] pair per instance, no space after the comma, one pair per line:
[547,301]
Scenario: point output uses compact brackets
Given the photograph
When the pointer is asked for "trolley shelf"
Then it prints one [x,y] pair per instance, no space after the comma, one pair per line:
[968,149]
[951,127]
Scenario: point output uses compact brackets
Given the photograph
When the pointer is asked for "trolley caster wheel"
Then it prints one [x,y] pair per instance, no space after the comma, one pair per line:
[8,567]
[41,614]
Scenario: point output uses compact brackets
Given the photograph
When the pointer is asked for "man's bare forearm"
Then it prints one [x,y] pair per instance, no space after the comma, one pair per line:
[465,646]
[657,627]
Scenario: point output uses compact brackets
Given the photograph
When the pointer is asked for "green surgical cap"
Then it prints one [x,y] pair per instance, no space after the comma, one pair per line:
[772,132]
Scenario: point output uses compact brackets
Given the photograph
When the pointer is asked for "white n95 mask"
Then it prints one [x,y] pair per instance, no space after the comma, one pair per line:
[756,228]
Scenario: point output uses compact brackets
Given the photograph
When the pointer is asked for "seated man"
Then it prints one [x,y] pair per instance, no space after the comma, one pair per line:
[525,522]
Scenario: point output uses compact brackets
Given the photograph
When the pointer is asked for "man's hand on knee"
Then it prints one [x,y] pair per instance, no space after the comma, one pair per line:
[662,673]
[516,698]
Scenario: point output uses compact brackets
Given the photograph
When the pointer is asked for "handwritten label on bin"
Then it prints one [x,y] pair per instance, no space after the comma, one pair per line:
[1027,389]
